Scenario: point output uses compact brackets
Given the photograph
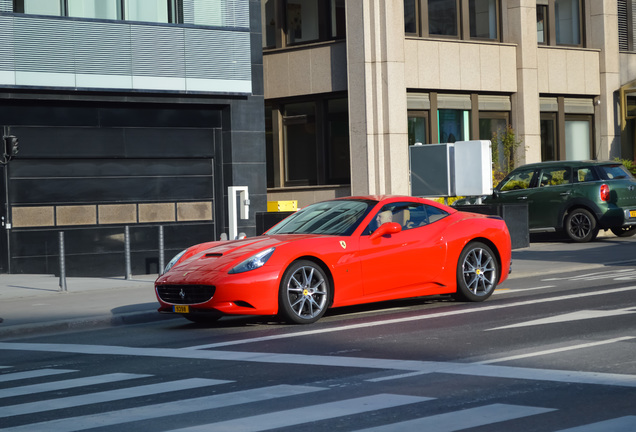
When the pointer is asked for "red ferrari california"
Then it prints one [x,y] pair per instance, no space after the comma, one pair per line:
[337,253]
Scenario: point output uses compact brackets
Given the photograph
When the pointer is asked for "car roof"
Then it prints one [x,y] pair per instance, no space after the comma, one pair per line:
[571,164]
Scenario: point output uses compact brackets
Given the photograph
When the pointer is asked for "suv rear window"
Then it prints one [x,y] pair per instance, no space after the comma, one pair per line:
[617,171]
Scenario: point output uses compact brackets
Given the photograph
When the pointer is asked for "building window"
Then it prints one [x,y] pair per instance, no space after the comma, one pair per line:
[161,11]
[567,128]
[460,19]
[443,18]
[308,143]
[560,22]
[294,22]
[626,24]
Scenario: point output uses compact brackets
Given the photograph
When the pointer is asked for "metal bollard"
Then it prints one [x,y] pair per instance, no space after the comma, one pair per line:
[161,251]
[63,286]
[127,252]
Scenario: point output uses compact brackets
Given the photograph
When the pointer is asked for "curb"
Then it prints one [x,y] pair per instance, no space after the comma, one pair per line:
[80,324]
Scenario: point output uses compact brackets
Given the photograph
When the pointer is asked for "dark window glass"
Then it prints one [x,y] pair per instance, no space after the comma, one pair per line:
[410,17]
[442,17]
[300,143]
[338,19]
[417,128]
[454,125]
[338,166]
[548,137]
[567,16]
[302,21]
[483,19]
[542,24]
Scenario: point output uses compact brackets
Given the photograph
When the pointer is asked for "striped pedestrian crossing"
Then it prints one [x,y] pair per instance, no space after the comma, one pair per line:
[299,406]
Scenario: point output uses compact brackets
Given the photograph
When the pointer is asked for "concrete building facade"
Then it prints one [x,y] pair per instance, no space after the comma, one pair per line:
[356,82]
[132,116]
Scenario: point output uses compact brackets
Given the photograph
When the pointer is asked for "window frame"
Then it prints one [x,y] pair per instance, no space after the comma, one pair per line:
[551,21]
[463,22]
[174,9]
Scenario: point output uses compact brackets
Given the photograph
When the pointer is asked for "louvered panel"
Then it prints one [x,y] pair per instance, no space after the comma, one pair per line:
[217,54]
[6,5]
[6,47]
[220,13]
[102,48]
[44,45]
[158,51]
[623,35]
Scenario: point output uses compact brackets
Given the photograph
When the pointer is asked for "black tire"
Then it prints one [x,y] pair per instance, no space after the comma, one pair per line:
[580,226]
[477,273]
[304,294]
[624,231]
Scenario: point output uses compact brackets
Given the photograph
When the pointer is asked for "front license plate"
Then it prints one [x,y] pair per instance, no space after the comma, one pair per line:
[182,309]
[632,213]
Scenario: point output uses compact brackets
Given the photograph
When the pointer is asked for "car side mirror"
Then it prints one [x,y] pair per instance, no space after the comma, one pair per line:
[386,228]
[495,194]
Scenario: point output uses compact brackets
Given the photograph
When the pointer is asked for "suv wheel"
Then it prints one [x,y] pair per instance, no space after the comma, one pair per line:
[580,226]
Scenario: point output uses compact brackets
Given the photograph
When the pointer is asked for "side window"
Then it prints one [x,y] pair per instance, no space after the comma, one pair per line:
[554,177]
[517,180]
[409,215]
[585,175]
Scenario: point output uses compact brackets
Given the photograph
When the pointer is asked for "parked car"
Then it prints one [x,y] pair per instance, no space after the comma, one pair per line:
[577,197]
[338,253]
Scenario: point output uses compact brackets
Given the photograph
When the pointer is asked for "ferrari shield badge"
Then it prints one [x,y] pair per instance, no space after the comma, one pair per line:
[343,244]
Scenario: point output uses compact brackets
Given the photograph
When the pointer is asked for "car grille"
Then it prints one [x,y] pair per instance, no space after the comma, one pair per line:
[185,294]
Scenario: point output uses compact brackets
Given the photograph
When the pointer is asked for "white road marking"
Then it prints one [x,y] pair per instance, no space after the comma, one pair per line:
[608,274]
[33,374]
[508,290]
[308,414]
[621,424]
[464,419]
[106,396]
[353,362]
[474,309]
[68,384]
[167,409]
[574,316]
[556,350]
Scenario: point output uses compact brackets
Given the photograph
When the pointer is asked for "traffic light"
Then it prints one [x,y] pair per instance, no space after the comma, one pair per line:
[10,146]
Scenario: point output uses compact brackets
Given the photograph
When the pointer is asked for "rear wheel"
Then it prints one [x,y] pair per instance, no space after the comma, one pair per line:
[624,231]
[477,273]
[304,293]
[580,226]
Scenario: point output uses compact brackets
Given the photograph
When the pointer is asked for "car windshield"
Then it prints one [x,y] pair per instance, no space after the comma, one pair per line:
[338,217]
[617,171]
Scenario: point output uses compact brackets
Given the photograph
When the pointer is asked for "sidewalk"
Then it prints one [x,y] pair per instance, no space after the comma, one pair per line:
[34,304]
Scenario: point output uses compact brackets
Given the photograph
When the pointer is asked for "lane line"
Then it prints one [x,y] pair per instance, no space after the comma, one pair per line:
[106,396]
[166,409]
[308,414]
[68,384]
[555,350]
[521,290]
[621,424]
[474,309]
[564,376]
[33,374]
[464,419]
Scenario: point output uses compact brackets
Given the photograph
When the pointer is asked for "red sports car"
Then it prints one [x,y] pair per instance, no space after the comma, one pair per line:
[337,253]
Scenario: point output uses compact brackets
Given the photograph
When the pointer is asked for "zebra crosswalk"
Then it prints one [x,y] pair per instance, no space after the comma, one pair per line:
[246,409]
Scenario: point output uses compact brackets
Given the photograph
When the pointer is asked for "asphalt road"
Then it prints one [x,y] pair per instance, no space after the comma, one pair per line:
[548,352]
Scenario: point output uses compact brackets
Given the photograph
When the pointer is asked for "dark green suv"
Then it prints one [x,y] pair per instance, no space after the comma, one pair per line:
[577,197]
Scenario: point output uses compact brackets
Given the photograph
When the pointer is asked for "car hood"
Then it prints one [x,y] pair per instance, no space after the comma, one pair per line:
[222,256]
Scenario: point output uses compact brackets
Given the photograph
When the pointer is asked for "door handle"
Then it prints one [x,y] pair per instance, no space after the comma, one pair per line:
[565,193]
[522,198]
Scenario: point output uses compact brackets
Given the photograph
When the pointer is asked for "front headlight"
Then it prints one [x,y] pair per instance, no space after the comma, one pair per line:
[174,260]
[253,262]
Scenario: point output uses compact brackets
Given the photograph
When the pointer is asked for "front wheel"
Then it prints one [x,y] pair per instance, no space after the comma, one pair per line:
[624,232]
[304,293]
[580,226]
[477,273]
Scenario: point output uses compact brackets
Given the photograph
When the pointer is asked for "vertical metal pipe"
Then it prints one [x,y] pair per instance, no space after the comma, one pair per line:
[63,286]
[127,252]
[161,251]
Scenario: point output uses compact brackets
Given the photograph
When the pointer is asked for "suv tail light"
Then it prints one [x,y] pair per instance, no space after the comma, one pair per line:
[605,192]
